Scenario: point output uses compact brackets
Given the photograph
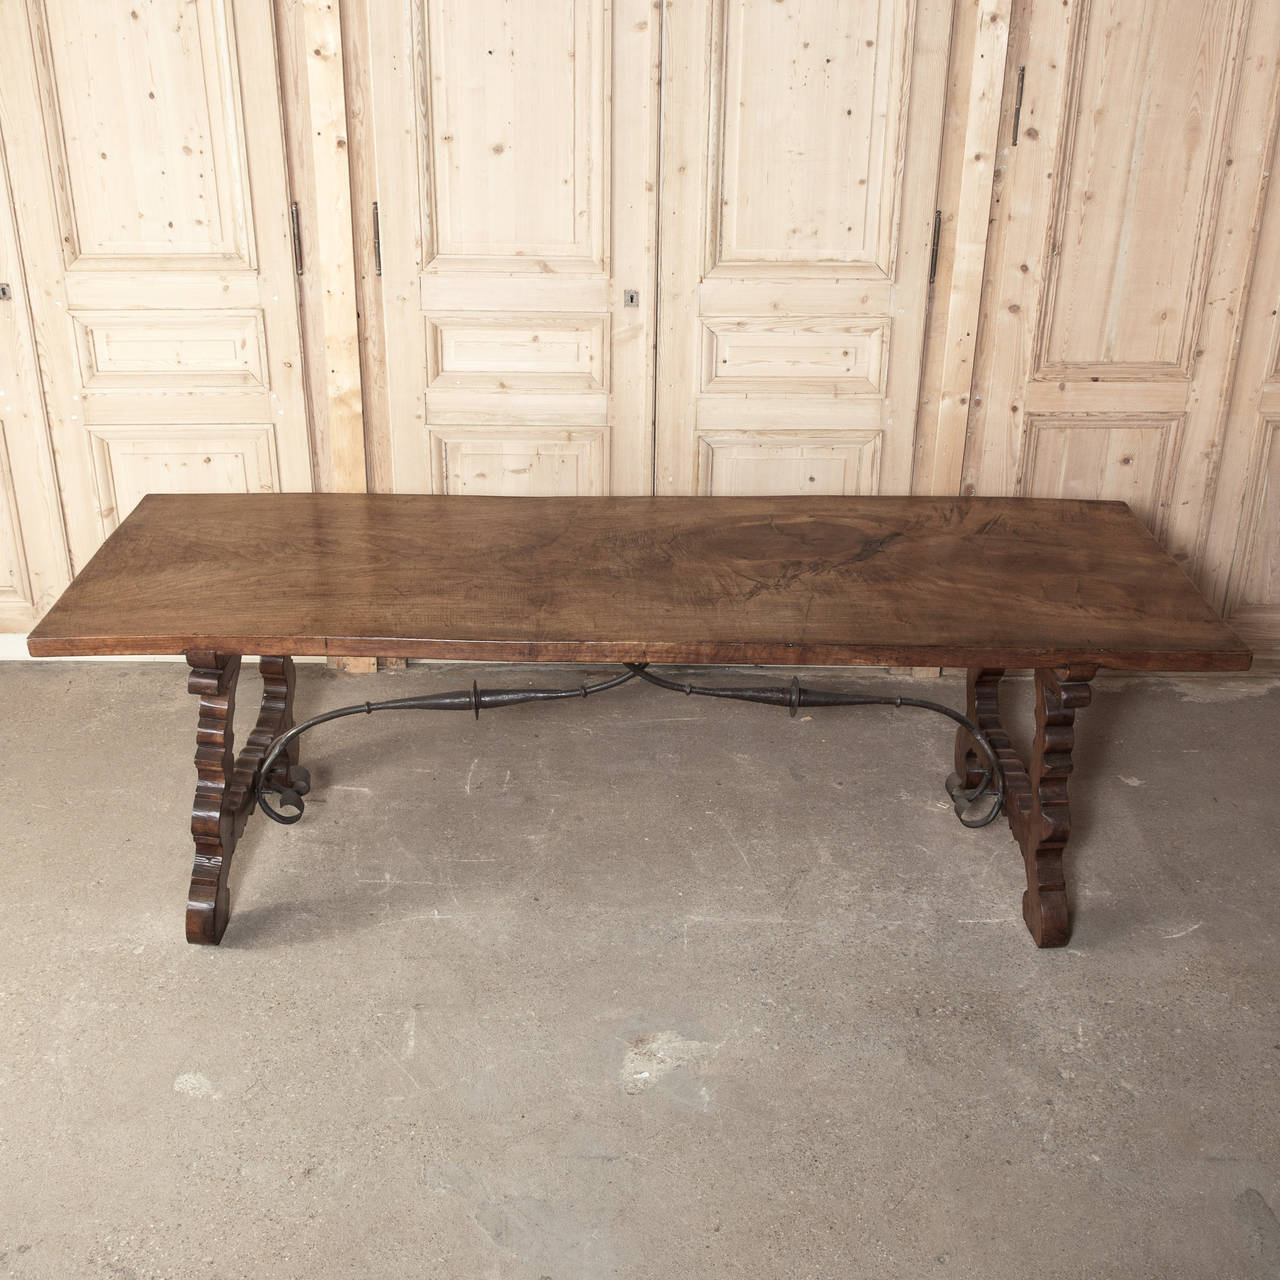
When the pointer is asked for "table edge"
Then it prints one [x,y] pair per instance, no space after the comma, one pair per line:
[692,653]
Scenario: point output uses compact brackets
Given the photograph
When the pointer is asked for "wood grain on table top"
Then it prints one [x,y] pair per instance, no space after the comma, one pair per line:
[999,582]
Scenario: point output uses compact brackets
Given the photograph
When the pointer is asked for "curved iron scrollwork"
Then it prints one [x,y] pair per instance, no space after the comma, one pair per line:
[977,805]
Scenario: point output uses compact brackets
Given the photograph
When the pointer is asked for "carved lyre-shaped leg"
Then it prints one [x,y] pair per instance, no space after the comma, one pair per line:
[225,782]
[1035,796]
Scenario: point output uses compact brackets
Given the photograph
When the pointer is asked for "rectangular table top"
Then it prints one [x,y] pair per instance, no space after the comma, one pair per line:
[960,582]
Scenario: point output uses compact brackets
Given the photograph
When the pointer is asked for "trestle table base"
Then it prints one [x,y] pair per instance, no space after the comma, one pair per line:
[1034,794]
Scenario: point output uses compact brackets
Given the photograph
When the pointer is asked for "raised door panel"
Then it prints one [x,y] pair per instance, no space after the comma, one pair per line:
[800,155]
[518,353]
[1245,537]
[1255,603]
[159,349]
[809,97]
[1118,460]
[163,119]
[164,298]
[515,100]
[759,463]
[131,462]
[512,462]
[1139,180]
[517,244]
[1123,237]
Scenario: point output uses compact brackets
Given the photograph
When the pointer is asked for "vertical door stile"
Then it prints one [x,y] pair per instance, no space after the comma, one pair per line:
[316,93]
[967,166]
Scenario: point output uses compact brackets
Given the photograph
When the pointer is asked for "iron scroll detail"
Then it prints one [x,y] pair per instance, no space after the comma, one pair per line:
[975,806]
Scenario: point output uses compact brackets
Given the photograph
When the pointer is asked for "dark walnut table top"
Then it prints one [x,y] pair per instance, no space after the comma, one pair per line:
[956,582]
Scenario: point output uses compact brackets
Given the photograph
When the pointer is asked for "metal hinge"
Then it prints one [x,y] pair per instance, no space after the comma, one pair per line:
[297,238]
[1017,103]
[5,293]
[377,241]
[933,252]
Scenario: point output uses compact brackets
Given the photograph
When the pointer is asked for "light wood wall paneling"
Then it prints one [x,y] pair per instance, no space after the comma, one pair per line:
[979,43]
[154,198]
[1123,238]
[34,564]
[314,86]
[515,174]
[1242,563]
[800,151]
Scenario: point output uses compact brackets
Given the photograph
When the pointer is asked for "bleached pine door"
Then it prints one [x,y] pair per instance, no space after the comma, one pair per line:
[145,151]
[800,150]
[515,178]
[1125,228]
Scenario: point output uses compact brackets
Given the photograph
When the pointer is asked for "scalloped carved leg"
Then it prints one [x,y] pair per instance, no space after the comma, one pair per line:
[225,781]
[1035,795]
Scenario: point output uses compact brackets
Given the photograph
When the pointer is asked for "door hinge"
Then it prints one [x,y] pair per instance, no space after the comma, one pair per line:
[5,293]
[297,238]
[933,252]
[1017,103]
[377,242]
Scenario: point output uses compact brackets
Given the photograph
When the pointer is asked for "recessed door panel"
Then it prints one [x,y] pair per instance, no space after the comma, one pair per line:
[1138,185]
[514,112]
[809,96]
[145,99]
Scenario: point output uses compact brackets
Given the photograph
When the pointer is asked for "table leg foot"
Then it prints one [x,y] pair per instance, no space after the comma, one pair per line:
[1035,794]
[225,781]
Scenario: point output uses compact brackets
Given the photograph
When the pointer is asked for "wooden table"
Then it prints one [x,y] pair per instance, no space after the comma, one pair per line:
[988,584]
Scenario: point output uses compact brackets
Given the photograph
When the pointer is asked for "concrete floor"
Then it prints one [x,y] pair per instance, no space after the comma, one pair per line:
[639,987]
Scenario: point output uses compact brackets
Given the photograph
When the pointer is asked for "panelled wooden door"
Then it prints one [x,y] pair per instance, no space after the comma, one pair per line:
[800,154]
[1242,564]
[515,177]
[144,141]
[33,556]
[1125,222]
